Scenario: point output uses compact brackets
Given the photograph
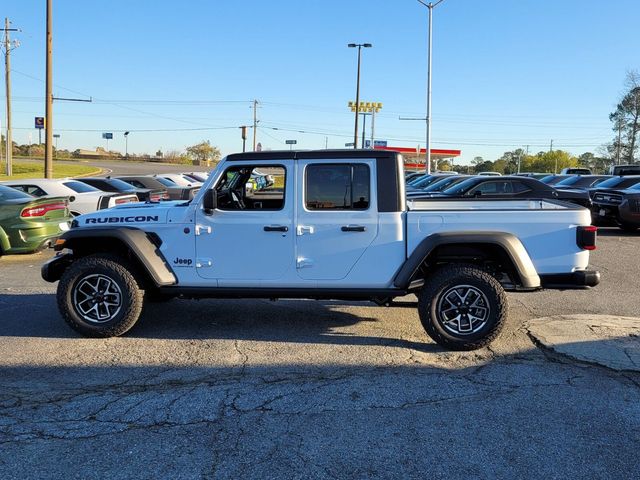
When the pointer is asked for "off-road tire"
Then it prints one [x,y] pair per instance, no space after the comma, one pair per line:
[119,272]
[444,281]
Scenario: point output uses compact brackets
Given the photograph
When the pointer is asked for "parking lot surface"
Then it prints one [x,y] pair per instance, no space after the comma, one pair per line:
[307,389]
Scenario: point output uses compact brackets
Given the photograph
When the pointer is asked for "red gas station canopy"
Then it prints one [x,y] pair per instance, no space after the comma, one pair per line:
[435,152]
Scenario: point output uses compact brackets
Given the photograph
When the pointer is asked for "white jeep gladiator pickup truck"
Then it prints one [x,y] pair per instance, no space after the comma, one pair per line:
[326,225]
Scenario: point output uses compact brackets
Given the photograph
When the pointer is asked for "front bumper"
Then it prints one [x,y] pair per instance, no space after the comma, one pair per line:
[53,269]
[570,281]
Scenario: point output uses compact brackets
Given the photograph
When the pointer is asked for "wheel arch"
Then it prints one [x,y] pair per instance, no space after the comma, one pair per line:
[5,244]
[475,247]
[139,247]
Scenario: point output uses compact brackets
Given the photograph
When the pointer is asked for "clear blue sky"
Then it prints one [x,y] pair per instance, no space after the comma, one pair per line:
[506,73]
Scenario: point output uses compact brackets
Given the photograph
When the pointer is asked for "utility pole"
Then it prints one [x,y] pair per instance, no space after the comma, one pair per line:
[48,150]
[255,123]
[7,64]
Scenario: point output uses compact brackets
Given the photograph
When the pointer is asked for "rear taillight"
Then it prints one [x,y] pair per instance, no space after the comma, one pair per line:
[155,198]
[120,201]
[586,237]
[42,210]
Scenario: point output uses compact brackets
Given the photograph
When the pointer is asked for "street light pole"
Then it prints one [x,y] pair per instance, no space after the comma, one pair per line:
[430,6]
[48,150]
[126,144]
[355,129]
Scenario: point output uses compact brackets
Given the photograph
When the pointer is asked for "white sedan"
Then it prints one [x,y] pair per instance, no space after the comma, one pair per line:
[83,198]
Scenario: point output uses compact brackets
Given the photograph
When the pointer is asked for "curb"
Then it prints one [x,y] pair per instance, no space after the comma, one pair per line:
[607,340]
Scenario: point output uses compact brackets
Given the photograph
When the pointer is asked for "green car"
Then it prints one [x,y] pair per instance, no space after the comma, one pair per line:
[27,223]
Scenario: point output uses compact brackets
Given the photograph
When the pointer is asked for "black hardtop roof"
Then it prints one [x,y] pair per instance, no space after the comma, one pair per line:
[311,154]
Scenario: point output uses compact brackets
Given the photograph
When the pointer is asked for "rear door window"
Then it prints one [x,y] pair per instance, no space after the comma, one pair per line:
[337,187]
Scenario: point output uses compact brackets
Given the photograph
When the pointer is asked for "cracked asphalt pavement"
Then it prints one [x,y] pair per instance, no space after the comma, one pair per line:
[305,389]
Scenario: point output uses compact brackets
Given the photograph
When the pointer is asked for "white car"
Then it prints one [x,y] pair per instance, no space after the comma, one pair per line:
[490,174]
[179,179]
[197,176]
[83,198]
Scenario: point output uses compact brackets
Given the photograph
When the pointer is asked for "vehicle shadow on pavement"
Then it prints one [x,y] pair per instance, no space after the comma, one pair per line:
[297,321]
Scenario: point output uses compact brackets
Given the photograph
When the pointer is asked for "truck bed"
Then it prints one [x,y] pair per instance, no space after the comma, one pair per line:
[547,228]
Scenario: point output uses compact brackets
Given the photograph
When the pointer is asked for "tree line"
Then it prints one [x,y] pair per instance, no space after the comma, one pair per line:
[198,154]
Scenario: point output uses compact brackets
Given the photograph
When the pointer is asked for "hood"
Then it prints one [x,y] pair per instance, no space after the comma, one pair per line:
[128,214]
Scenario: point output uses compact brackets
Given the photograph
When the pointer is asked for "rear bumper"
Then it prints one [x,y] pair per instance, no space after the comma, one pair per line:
[570,281]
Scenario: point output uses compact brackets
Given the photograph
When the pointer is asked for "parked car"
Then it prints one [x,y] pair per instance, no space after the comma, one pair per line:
[179,179]
[617,207]
[109,184]
[510,187]
[575,171]
[83,198]
[624,170]
[155,183]
[27,223]
[615,183]
[581,181]
[439,185]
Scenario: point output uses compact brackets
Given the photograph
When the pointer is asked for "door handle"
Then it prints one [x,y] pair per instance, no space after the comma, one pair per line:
[354,228]
[302,229]
[276,228]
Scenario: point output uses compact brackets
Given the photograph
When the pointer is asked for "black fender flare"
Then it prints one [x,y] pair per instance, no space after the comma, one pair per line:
[508,242]
[143,246]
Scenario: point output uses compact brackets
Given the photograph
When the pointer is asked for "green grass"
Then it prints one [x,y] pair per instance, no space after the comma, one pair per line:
[35,170]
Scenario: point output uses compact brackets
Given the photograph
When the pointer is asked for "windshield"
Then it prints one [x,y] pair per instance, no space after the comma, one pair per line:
[442,184]
[120,185]
[166,182]
[8,193]
[547,179]
[612,182]
[80,187]
[462,187]
[569,181]
[425,181]
[416,179]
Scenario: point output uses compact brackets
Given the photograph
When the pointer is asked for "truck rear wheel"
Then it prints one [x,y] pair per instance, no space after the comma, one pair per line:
[98,296]
[462,307]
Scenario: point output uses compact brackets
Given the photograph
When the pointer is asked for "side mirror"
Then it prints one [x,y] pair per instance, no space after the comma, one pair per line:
[210,201]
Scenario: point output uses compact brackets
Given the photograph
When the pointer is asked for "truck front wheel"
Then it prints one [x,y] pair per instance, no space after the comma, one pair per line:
[462,307]
[98,296]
